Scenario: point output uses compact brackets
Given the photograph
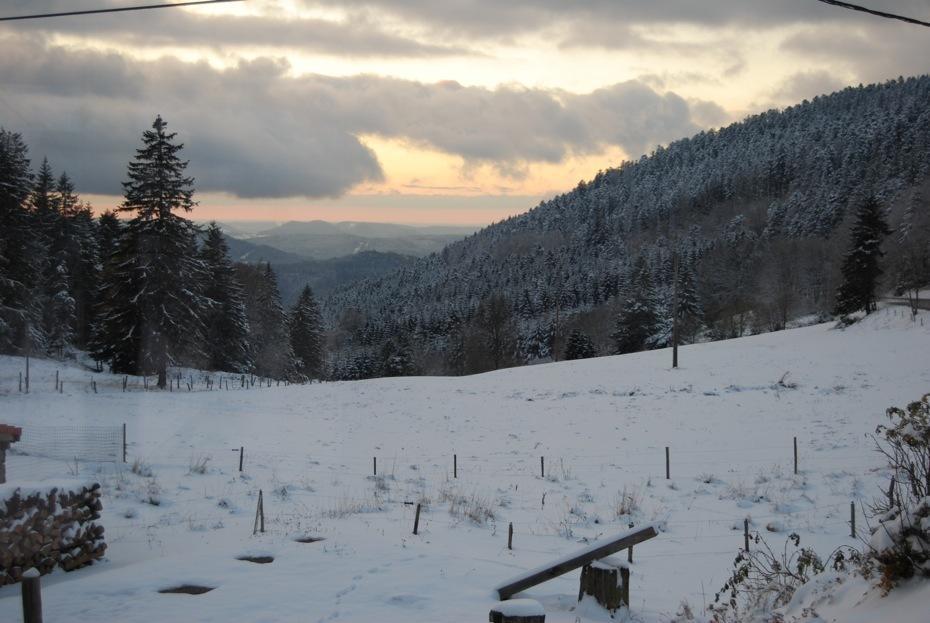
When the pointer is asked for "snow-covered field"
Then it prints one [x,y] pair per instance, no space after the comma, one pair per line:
[601,425]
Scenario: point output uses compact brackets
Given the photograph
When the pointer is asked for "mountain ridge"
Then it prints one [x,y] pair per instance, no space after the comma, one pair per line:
[779,180]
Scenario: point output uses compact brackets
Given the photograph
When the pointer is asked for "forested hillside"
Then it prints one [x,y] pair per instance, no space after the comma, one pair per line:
[752,218]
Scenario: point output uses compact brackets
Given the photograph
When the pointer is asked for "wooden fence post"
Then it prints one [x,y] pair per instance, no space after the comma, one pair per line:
[241,455]
[852,519]
[455,466]
[668,466]
[374,465]
[56,379]
[124,442]
[510,536]
[32,596]
[542,467]
[795,456]
[259,513]
[746,533]
[891,492]
[416,520]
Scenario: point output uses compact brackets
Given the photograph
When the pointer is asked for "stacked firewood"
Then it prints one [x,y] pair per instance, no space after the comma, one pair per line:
[49,529]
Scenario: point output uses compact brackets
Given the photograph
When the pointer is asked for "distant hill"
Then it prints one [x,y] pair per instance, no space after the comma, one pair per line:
[323,240]
[251,253]
[324,276]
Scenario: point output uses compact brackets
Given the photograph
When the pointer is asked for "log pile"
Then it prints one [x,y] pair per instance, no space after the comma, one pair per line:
[49,529]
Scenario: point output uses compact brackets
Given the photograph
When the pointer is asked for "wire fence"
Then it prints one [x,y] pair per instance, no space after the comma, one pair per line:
[102,444]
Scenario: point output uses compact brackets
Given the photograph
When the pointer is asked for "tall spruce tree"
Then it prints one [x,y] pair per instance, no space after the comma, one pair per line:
[44,200]
[152,310]
[397,357]
[59,311]
[307,335]
[82,254]
[579,346]
[226,331]
[861,269]
[109,231]
[638,320]
[20,248]
[272,354]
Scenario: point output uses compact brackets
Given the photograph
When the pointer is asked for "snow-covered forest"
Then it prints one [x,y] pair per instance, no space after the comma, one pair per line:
[757,214]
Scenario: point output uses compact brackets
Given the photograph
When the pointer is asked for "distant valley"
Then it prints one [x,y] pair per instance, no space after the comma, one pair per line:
[328,255]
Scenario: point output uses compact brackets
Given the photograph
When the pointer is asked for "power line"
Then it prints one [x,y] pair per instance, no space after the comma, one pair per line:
[857,7]
[114,10]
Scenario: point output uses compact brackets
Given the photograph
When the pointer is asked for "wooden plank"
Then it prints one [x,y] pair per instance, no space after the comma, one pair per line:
[600,550]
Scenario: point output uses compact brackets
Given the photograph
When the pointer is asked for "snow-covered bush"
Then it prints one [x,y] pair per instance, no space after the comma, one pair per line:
[763,580]
[899,547]
[141,468]
[626,503]
[198,465]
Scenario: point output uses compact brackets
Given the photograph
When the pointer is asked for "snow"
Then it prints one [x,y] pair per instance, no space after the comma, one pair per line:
[519,608]
[601,424]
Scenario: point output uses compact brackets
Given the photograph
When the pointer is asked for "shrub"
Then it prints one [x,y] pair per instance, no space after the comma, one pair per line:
[198,465]
[626,503]
[763,580]
[141,468]
[900,543]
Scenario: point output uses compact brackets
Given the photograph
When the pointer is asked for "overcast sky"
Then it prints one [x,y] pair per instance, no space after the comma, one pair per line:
[452,111]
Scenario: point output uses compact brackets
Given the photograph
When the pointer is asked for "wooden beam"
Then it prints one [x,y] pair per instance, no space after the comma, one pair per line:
[599,549]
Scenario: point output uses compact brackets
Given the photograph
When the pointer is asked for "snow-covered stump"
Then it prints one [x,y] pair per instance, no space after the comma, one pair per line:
[48,527]
[608,581]
[8,435]
[517,611]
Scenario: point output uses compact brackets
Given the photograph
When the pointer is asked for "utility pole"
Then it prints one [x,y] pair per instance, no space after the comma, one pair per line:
[675,308]
[673,236]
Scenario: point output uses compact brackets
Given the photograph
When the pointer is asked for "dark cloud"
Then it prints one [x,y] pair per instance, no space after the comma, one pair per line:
[881,51]
[484,18]
[355,36]
[257,131]
[806,85]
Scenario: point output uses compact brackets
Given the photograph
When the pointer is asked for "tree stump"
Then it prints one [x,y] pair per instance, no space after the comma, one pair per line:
[608,581]
[517,611]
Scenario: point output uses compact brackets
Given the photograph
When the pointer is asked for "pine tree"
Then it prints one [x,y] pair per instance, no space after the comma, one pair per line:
[44,199]
[397,358]
[109,231]
[638,320]
[494,322]
[83,256]
[226,325]
[272,354]
[152,310]
[20,251]
[307,335]
[861,269]
[579,346]
[59,312]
